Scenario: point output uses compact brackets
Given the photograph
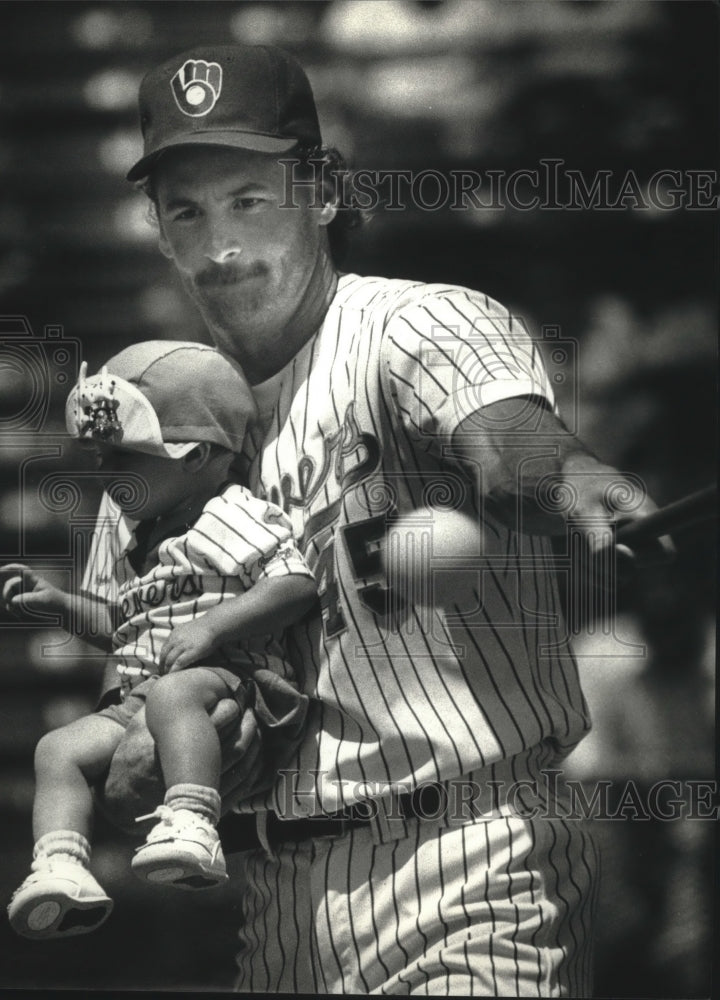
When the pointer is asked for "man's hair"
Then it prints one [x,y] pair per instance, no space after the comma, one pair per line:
[334,181]
[327,168]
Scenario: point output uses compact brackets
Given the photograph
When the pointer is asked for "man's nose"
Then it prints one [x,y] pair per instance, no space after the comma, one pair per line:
[222,246]
[223,255]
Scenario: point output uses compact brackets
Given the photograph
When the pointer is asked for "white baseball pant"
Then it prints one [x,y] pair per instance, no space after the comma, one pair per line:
[499,907]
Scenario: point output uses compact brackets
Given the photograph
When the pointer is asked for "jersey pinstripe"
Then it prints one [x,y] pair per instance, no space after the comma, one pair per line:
[236,541]
[356,429]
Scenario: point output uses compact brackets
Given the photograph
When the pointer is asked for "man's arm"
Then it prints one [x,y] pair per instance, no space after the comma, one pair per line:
[535,476]
[26,594]
[269,606]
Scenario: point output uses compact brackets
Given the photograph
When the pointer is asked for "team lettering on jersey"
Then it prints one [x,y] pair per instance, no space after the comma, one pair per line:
[350,455]
[159,592]
[348,443]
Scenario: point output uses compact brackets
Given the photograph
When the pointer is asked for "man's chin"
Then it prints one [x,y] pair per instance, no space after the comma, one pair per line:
[235,316]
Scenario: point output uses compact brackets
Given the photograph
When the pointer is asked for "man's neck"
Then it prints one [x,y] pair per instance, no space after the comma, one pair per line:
[314,305]
[266,351]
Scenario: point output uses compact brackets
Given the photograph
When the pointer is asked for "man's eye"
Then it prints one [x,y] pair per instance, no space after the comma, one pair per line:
[246,203]
[185,215]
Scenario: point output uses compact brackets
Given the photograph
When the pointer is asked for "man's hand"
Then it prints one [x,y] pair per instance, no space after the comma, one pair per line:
[24,593]
[134,785]
[259,732]
[600,499]
[188,644]
[538,478]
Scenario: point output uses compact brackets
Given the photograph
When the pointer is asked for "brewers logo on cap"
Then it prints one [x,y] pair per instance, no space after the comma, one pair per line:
[236,96]
[196,87]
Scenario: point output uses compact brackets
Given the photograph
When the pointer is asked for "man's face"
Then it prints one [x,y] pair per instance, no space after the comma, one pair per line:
[245,260]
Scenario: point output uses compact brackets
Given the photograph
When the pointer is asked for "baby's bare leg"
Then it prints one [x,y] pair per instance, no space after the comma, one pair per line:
[178,715]
[183,849]
[67,760]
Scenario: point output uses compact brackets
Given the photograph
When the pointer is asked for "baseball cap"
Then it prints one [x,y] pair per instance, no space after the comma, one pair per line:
[244,96]
[162,398]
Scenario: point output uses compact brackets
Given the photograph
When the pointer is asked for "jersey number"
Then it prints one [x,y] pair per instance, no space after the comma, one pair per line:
[363,543]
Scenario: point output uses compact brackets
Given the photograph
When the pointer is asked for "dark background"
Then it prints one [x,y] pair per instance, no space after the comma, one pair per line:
[617,86]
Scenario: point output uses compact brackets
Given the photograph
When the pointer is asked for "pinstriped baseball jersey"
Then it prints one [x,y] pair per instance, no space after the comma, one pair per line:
[357,429]
[236,541]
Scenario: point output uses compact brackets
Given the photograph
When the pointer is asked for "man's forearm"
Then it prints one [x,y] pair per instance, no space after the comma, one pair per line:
[528,467]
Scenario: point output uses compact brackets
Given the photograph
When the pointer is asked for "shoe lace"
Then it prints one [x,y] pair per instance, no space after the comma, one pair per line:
[164,813]
[180,819]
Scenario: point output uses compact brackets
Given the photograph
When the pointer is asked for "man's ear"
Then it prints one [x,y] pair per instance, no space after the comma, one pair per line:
[197,458]
[164,244]
[327,213]
[153,217]
[326,193]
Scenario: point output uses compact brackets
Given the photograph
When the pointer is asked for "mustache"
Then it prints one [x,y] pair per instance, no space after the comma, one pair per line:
[218,275]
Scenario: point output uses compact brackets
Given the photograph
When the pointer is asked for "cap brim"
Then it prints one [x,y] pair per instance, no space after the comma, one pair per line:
[233,140]
[177,449]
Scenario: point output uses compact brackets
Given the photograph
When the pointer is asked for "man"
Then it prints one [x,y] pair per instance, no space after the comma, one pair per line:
[415,844]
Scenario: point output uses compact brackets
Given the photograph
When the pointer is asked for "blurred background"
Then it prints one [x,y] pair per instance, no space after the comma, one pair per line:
[624,87]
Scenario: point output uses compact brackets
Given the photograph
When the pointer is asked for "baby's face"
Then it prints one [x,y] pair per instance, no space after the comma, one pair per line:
[143,486]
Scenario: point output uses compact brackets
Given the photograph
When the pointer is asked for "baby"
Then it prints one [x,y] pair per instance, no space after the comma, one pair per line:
[202,577]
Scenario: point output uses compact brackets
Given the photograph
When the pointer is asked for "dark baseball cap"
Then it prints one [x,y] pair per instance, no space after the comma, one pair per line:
[243,96]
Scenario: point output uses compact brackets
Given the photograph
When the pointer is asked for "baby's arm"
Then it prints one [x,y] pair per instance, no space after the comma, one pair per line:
[26,594]
[272,604]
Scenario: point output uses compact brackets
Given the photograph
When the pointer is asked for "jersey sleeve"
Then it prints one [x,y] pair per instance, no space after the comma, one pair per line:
[241,535]
[451,353]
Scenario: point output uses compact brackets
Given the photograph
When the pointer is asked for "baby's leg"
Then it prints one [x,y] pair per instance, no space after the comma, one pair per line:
[178,716]
[60,897]
[183,849]
[67,760]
